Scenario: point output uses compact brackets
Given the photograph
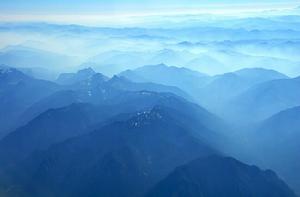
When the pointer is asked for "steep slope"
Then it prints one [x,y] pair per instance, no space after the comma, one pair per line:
[278,141]
[220,176]
[56,125]
[17,92]
[56,100]
[130,155]
[52,126]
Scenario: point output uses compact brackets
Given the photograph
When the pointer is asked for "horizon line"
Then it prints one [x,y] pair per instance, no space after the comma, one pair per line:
[114,16]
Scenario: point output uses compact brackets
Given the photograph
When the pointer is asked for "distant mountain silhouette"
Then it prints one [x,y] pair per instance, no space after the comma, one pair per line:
[23,56]
[206,64]
[210,92]
[182,78]
[259,75]
[86,78]
[72,78]
[223,87]
[123,83]
[220,176]
[265,99]
[90,87]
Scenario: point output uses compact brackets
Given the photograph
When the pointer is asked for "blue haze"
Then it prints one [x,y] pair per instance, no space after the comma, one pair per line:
[147,98]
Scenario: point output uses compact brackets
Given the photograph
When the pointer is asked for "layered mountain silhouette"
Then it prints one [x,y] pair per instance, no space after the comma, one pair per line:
[56,125]
[212,92]
[175,105]
[130,155]
[189,81]
[88,78]
[221,88]
[140,134]
[90,87]
[264,100]
[17,92]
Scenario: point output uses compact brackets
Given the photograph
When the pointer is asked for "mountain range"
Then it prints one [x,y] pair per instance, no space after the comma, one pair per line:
[141,132]
[176,104]
[220,93]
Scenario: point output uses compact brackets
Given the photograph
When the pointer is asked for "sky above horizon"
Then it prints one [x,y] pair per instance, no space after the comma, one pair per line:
[100,6]
[130,12]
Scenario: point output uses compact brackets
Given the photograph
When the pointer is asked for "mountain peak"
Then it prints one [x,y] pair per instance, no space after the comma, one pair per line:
[10,74]
[86,71]
[117,78]
[161,66]
[80,76]
[260,71]
[99,76]
[5,69]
